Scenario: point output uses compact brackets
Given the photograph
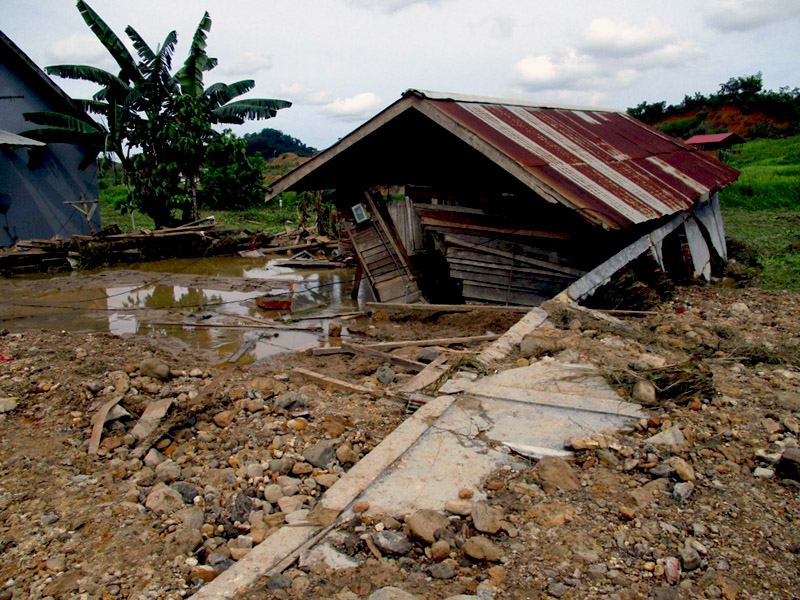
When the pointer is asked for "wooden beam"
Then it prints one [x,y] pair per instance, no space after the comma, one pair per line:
[602,273]
[455,226]
[402,306]
[406,363]
[435,341]
[460,241]
[429,375]
[335,383]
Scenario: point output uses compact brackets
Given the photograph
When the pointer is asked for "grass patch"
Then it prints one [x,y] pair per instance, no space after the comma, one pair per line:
[761,210]
[272,217]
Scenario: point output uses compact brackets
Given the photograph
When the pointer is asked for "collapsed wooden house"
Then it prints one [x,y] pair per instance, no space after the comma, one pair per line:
[513,202]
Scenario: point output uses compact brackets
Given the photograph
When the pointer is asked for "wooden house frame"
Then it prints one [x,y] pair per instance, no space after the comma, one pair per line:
[512,202]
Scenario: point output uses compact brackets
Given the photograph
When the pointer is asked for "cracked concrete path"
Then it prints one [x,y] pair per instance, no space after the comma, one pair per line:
[451,443]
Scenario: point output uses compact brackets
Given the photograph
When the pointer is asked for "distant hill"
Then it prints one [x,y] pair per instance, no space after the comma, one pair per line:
[270,143]
[277,167]
[741,105]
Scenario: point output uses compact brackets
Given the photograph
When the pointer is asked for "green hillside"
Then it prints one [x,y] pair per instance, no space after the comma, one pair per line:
[761,210]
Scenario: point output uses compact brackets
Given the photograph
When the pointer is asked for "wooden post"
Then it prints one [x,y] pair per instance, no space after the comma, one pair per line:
[357,281]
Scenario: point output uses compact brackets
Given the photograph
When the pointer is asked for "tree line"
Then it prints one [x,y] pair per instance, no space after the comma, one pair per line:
[745,93]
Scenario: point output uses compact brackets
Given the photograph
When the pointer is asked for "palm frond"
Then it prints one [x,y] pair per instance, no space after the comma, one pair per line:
[109,39]
[62,121]
[190,76]
[89,73]
[144,51]
[221,93]
[251,108]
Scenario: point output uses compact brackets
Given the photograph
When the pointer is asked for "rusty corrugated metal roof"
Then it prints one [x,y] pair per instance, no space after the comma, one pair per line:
[613,170]
[710,138]
[606,164]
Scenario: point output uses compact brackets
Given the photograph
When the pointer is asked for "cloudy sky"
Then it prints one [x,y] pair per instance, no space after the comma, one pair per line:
[342,61]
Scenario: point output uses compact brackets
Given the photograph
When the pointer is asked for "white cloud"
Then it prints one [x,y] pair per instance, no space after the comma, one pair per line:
[389,6]
[618,38]
[548,73]
[571,78]
[354,108]
[246,64]
[301,94]
[743,15]
[674,54]
[79,48]
[610,56]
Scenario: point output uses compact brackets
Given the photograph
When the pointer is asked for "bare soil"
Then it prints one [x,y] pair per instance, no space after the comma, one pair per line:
[78,525]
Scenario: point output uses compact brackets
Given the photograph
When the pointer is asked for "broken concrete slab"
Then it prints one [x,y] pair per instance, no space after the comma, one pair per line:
[449,444]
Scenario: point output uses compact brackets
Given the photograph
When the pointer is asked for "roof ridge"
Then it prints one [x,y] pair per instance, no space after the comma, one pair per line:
[453,97]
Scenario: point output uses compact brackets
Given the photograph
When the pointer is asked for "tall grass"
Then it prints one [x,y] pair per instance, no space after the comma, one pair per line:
[762,208]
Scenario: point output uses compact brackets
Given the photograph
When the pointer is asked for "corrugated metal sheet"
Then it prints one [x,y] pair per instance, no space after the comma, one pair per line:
[606,164]
[710,138]
[17,141]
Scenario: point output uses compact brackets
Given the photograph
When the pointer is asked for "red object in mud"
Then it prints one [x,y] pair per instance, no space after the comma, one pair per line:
[274,302]
[5,358]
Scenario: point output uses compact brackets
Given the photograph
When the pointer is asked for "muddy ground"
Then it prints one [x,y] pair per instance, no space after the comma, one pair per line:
[243,450]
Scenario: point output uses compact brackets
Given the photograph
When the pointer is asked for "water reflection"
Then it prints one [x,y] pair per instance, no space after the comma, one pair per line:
[141,310]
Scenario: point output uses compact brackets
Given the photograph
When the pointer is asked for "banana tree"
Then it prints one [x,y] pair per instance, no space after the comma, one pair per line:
[157,124]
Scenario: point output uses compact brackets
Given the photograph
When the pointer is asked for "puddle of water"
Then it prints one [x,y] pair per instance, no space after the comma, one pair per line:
[140,310]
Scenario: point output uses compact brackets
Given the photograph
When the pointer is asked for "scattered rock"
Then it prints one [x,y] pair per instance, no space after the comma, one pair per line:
[240,547]
[443,570]
[644,392]
[424,524]
[557,590]
[788,465]
[458,507]
[385,375]
[481,548]
[690,559]
[440,550]
[7,405]
[334,329]
[321,454]
[670,437]
[644,495]
[739,308]
[391,593]
[682,491]
[224,418]
[672,570]
[327,555]
[763,473]
[240,507]
[427,354]
[346,454]
[152,367]
[682,469]
[485,518]
[391,542]
[291,401]
[164,500]
[557,473]
[167,471]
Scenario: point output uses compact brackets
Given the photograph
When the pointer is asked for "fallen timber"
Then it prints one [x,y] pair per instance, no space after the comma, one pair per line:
[110,247]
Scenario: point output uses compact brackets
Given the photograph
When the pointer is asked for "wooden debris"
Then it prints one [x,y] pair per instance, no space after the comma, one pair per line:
[364,350]
[429,375]
[98,420]
[435,341]
[150,418]
[402,306]
[238,326]
[335,383]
